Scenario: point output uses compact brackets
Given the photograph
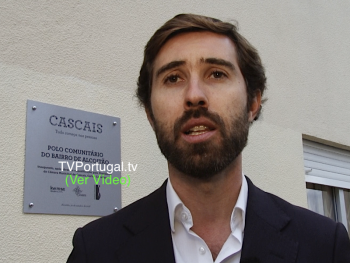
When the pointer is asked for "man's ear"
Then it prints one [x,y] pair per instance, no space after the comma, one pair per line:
[150,117]
[255,106]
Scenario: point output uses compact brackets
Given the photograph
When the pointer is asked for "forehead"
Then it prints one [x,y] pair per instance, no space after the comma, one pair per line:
[194,46]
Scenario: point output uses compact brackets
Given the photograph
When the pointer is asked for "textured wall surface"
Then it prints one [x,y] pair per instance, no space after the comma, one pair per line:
[87,54]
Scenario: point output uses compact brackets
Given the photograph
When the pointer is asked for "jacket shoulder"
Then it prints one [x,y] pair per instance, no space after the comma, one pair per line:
[107,228]
[315,238]
[103,239]
[305,218]
[272,206]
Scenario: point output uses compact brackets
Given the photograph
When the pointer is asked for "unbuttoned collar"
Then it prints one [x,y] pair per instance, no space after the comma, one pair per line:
[178,211]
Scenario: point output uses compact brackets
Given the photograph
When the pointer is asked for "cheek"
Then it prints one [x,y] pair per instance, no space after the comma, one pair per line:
[227,102]
[165,108]
[229,106]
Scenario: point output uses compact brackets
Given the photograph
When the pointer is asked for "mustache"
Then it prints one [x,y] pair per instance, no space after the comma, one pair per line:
[196,113]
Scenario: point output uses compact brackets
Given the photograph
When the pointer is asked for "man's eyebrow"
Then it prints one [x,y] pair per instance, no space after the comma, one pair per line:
[219,61]
[170,65]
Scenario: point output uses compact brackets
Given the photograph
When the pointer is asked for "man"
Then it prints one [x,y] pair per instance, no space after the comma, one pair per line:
[201,84]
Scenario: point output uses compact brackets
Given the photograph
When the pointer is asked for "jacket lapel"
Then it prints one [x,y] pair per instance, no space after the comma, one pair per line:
[150,234]
[265,238]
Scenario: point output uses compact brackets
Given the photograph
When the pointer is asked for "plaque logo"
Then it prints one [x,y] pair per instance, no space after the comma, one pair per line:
[54,189]
[78,191]
[97,192]
[77,124]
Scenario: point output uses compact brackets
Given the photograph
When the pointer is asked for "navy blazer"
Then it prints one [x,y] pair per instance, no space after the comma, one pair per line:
[275,231]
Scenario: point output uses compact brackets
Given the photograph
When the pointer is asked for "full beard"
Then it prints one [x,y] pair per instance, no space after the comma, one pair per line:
[206,159]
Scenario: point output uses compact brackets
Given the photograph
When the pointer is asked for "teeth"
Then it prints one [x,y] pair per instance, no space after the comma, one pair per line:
[196,133]
[198,128]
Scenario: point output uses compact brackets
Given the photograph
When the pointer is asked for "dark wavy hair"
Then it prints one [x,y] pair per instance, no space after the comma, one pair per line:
[248,58]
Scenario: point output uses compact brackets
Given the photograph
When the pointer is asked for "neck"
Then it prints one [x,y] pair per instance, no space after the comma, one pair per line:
[212,201]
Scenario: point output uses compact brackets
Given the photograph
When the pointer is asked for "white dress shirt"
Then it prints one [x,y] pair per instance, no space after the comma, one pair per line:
[189,247]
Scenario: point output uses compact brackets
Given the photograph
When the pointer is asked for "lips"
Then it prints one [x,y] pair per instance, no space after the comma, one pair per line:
[198,130]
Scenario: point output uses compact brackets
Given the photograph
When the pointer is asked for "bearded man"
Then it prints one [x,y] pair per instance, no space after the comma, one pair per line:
[201,84]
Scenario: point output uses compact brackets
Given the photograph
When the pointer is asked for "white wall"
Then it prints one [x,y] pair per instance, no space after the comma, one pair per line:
[87,54]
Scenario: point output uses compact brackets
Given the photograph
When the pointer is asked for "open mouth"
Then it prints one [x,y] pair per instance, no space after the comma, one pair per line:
[197,130]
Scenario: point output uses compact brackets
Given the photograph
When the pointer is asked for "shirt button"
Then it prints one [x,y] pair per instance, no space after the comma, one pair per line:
[184,217]
[202,250]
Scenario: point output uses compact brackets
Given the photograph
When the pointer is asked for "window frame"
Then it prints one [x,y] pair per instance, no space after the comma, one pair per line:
[329,166]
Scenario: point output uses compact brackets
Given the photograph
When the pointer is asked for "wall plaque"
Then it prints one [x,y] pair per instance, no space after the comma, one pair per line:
[72,161]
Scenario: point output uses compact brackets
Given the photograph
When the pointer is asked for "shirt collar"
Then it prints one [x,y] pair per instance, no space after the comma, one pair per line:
[173,202]
[239,210]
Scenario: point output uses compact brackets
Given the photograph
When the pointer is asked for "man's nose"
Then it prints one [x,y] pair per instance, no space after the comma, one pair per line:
[195,95]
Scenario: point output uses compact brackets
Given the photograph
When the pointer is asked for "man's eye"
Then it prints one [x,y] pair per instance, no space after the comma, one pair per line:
[172,79]
[218,74]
